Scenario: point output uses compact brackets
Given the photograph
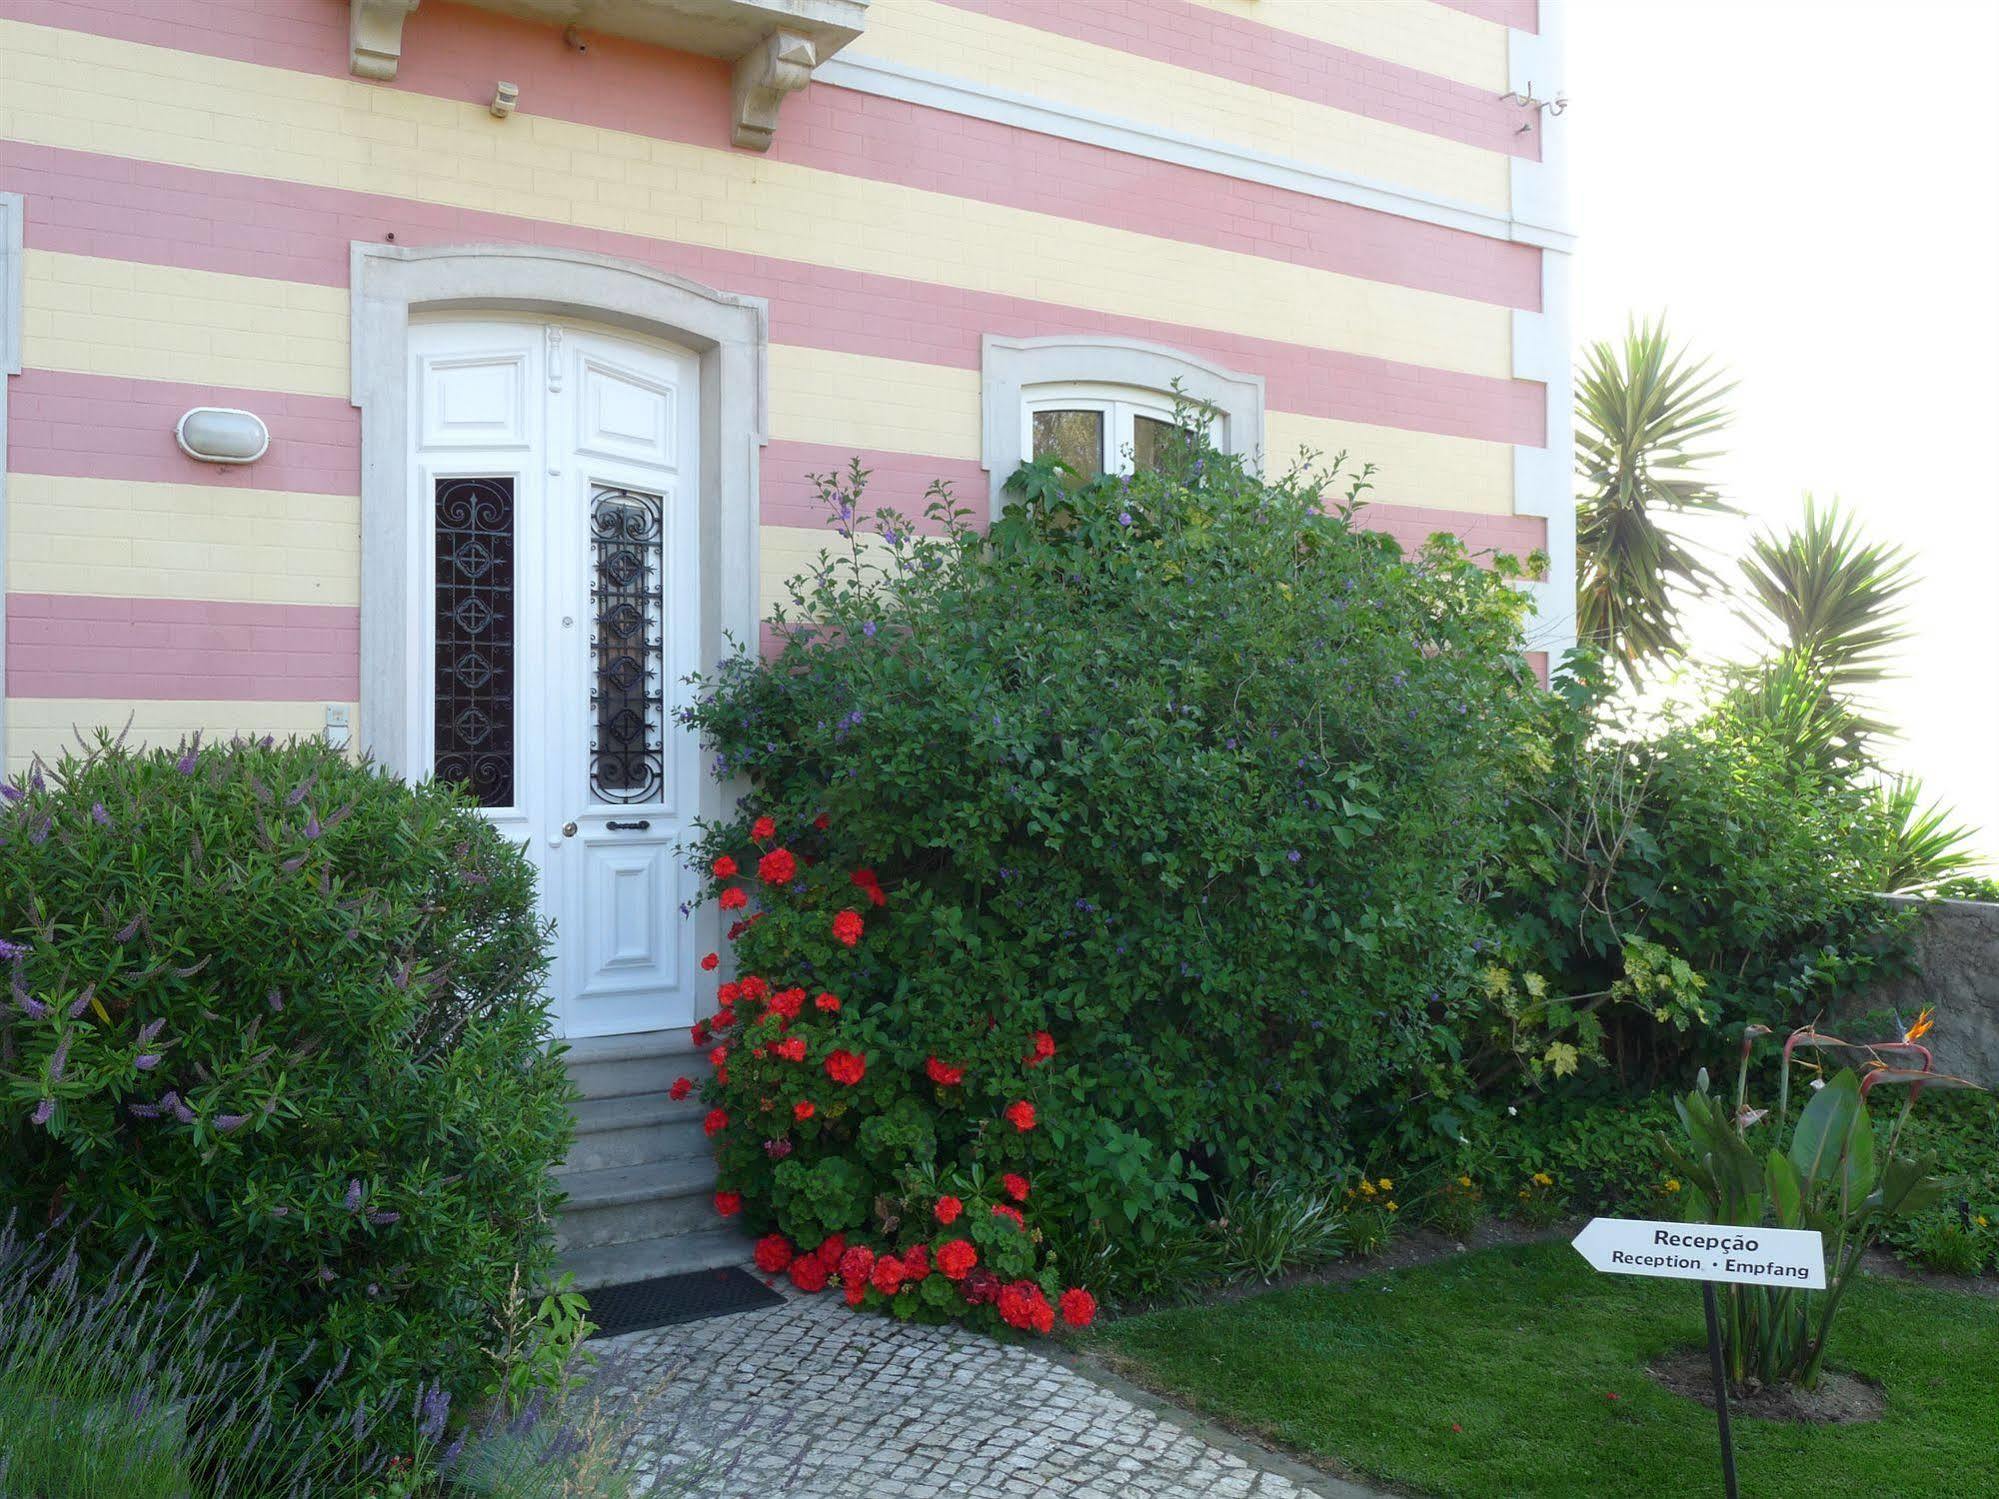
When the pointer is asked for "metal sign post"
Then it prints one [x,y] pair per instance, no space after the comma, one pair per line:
[1709,1253]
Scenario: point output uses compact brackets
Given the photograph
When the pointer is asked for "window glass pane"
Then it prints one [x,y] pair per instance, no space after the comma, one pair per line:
[473,665]
[628,743]
[1149,437]
[1076,437]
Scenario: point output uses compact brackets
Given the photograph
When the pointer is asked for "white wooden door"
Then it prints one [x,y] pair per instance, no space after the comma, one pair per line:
[556,479]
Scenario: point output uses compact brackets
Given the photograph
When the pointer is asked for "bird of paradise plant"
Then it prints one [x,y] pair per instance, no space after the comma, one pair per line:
[1832,1176]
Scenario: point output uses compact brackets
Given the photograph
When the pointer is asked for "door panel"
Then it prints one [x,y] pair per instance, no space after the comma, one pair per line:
[596,437]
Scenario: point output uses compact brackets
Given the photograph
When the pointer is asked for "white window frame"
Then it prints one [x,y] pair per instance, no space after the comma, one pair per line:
[1124,377]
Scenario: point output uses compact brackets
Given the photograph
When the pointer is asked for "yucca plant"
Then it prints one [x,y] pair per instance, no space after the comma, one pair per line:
[1832,1175]
[1645,413]
[1922,846]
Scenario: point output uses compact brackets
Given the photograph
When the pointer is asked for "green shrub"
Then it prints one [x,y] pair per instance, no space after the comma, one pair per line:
[1960,1235]
[279,1016]
[1186,771]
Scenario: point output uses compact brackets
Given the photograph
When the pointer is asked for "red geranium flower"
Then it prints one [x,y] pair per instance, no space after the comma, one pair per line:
[864,880]
[846,1067]
[719,1057]
[715,1123]
[1020,1114]
[830,1250]
[1079,1307]
[847,928]
[777,867]
[1016,1186]
[791,1048]
[854,1291]
[822,822]
[754,987]
[1023,1306]
[788,1002]
[737,928]
[710,963]
[808,1273]
[916,1261]
[830,1003]
[728,1204]
[956,1259]
[729,993]
[805,1108]
[682,1086]
[856,1264]
[948,1209]
[888,1275]
[774,1252]
[981,1287]
[763,828]
[724,867]
[1044,1048]
[699,1032]
[733,899]
[1007,1210]
[943,1073]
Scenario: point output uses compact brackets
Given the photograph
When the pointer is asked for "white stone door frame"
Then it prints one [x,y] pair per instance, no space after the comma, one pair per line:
[728,335]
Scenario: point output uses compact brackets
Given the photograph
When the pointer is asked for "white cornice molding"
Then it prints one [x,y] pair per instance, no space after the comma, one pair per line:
[892,80]
[778,65]
[375,36]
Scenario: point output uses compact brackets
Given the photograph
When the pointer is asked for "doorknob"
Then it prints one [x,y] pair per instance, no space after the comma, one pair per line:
[569,830]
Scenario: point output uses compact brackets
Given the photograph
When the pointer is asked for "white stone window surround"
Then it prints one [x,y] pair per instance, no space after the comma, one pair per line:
[1124,377]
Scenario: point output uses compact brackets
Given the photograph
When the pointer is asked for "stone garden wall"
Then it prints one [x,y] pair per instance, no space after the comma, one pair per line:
[1957,973]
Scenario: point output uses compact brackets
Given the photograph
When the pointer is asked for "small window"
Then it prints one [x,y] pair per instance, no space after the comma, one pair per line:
[1101,429]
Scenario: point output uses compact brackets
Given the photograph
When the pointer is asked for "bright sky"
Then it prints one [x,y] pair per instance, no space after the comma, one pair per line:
[1809,190]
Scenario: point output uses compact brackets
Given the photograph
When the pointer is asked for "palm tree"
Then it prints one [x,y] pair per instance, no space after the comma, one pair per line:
[1642,410]
[1834,598]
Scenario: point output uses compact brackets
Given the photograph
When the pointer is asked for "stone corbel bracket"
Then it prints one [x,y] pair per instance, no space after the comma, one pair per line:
[780,64]
[375,36]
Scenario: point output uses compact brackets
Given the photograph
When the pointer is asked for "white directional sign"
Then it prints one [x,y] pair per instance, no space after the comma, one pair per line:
[1705,1251]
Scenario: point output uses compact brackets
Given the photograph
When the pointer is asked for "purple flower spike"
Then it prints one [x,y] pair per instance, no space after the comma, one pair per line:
[43,1111]
[224,1123]
[9,951]
[433,1411]
[186,764]
[146,1061]
[128,931]
[354,1196]
[36,1010]
[180,1110]
[99,816]
[10,792]
[143,1110]
[151,1029]
[59,1062]
[312,827]
[383,1220]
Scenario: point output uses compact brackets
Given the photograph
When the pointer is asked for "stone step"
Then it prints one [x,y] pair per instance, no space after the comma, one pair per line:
[635,1129]
[624,1066]
[624,1204]
[649,1259]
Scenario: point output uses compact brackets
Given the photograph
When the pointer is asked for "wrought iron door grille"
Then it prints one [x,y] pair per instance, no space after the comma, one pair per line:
[627,696]
[473,655]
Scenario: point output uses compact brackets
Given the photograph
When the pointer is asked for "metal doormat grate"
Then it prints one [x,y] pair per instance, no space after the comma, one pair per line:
[677,1298]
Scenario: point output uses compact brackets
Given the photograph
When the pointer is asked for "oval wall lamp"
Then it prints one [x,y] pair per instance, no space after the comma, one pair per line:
[222,434]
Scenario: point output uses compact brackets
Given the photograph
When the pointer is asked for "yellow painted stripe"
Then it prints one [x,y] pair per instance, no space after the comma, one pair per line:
[785,552]
[1022,59]
[121,539]
[857,401]
[1419,34]
[1411,468]
[80,92]
[46,726]
[157,322]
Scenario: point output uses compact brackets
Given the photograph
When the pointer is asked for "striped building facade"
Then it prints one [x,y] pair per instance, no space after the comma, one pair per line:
[918,231]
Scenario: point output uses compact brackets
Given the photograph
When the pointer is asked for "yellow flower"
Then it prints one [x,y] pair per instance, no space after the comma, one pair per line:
[1366,1187]
[1980,1221]
[1464,1181]
[1672,1184]
[1391,1207]
[1542,1179]
[1523,1194]
[1385,1184]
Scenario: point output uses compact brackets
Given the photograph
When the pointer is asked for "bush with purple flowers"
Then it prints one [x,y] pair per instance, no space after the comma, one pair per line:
[279,1016]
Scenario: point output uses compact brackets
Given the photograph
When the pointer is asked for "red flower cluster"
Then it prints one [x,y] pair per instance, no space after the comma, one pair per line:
[1079,1307]
[715,1123]
[724,867]
[1020,1115]
[827,1003]
[778,867]
[943,1073]
[956,1259]
[1008,1210]
[805,1108]
[682,1086]
[763,830]
[948,1209]
[788,1003]
[710,963]
[773,1253]
[1022,1305]
[1016,1186]
[846,1067]
[790,1049]
[733,899]
[1043,1047]
[864,881]
[847,928]
[728,1204]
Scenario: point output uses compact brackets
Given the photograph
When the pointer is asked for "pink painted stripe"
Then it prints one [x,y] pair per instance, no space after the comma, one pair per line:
[452,52]
[1523,15]
[1186,35]
[120,209]
[896,481]
[99,427]
[67,645]
[1412,525]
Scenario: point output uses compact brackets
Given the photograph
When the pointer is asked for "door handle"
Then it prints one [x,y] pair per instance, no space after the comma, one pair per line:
[569,830]
[629,827]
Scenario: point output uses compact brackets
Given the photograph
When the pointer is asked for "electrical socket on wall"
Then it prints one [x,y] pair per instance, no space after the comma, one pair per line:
[338,730]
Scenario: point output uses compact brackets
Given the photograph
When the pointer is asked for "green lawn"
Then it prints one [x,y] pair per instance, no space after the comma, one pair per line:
[1521,1350]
